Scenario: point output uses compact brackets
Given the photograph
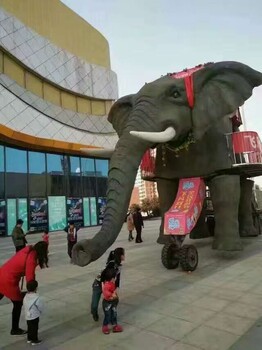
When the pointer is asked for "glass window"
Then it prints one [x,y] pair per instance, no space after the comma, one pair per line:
[16,161]
[74,166]
[56,164]
[2,163]
[88,167]
[101,167]
[36,163]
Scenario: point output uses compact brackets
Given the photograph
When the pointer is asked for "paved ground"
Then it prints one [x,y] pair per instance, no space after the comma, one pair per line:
[218,307]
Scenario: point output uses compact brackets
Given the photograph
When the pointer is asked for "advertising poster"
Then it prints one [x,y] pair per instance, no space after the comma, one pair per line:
[2,217]
[57,213]
[11,215]
[75,210]
[185,211]
[93,211]
[87,221]
[101,206]
[22,212]
[38,214]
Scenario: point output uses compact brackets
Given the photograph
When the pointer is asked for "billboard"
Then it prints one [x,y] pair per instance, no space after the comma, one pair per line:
[74,208]
[101,206]
[38,214]
[57,213]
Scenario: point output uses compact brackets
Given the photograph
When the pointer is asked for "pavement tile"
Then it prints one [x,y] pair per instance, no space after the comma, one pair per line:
[230,323]
[183,346]
[211,303]
[243,310]
[171,327]
[194,314]
[141,318]
[142,340]
[207,338]
[226,294]
[252,299]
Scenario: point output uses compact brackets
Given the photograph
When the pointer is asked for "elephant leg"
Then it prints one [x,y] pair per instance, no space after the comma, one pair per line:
[167,190]
[201,229]
[246,224]
[225,194]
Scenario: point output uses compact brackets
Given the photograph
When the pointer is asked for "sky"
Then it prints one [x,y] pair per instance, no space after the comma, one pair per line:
[149,38]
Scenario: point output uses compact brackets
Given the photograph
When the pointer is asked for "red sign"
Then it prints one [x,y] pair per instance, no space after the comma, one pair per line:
[246,142]
[184,213]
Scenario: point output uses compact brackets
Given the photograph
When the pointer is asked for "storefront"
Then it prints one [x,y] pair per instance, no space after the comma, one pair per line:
[48,190]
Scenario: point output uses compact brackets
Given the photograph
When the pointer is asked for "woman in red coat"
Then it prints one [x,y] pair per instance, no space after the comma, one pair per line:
[22,264]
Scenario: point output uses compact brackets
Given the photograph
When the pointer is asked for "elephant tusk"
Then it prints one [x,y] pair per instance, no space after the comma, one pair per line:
[157,137]
[99,153]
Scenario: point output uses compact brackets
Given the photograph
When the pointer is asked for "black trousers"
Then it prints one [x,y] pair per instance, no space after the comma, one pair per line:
[32,329]
[16,313]
[138,234]
[70,247]
[19,248]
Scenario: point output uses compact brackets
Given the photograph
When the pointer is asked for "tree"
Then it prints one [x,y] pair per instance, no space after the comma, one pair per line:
[151,206]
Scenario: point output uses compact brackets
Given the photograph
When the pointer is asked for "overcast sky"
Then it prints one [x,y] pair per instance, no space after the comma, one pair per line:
[149,38]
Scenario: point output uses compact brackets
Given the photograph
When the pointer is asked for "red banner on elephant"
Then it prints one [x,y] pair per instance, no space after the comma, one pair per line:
[184,213]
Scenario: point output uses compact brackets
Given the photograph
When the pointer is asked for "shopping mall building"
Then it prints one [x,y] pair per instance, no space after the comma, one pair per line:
[56,88]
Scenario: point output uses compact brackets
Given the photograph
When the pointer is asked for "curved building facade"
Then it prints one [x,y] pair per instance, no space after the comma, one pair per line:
[56,89]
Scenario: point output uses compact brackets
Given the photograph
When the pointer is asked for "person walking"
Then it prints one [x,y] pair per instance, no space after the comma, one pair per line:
[71,231]
[18,236]
[21,264]
[33,306]
[130,226]
[110,302]
[114,261]
[139,223]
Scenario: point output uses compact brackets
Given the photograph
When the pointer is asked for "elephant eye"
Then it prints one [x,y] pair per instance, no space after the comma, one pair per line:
[176,94]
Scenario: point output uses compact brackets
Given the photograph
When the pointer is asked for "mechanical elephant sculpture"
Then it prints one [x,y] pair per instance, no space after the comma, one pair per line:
[165,114]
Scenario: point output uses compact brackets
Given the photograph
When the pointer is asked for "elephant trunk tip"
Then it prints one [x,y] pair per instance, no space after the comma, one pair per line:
[81,254]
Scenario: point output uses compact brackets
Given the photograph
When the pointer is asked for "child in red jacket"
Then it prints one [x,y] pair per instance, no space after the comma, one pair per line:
[110,302]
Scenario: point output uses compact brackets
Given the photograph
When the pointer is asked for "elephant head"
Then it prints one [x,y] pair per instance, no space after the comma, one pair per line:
[162,112]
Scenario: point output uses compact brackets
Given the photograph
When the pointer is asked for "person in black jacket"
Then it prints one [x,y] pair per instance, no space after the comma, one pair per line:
[139,223]
[114,261]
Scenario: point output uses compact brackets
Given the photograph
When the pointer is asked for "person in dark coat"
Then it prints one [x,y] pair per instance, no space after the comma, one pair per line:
[21,264]
[139,223]
[18,236]
[71,231]
[114,261]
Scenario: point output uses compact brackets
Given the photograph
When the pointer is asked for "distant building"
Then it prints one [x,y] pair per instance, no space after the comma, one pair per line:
[143,189]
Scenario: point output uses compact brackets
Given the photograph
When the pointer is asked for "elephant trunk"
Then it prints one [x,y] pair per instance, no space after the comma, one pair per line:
[121,177]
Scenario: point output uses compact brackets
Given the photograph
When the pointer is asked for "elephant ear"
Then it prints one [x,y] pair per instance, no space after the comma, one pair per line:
[220,88]
[119,113]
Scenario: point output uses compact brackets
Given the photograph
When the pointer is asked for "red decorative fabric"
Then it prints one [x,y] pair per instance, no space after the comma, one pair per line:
[236,119]
[187,75]
[148,164]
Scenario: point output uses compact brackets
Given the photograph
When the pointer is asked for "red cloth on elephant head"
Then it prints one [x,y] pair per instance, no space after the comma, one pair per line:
[21,264]
[188,78]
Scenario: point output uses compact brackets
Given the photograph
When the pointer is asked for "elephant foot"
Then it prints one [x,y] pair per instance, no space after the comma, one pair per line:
[249,232]
[230,245]
[163,239]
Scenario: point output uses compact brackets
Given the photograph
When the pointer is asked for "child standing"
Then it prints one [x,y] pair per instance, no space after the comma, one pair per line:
[46,237]
[33,309]
[110,302]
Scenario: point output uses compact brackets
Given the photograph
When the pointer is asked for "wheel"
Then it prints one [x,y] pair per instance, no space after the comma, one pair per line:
[170,256]
[188,257]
